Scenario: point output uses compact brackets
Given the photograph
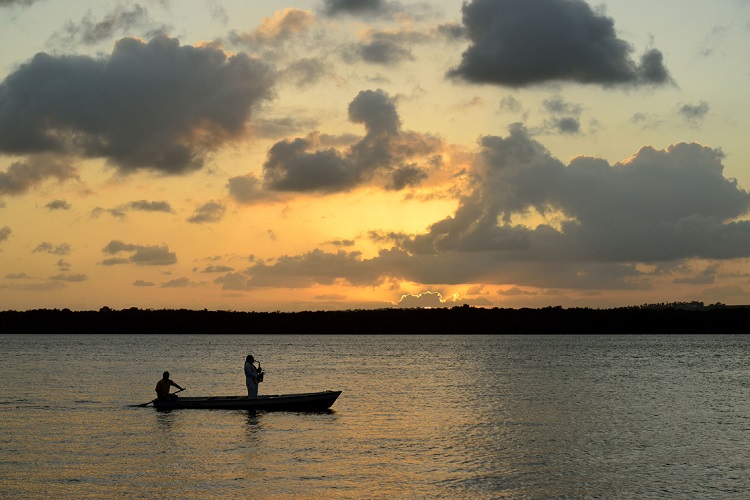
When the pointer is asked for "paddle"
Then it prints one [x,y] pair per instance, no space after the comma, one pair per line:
[146,404]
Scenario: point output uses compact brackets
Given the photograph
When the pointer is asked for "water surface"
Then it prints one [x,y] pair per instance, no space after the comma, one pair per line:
[419,417]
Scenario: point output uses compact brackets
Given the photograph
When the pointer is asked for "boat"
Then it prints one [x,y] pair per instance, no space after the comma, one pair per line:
[310,401]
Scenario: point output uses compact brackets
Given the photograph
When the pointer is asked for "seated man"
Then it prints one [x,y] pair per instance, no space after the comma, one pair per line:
[162,388]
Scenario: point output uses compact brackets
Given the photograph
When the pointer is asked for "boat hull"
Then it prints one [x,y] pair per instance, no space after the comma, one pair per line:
[312,401]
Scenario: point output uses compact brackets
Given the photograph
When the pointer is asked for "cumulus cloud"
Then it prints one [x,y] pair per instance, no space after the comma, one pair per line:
[142,255]
[300,165]
[676,199]
[106,107]
[5,233]
[23,175]
[139,205]
[212,211]
[518,43]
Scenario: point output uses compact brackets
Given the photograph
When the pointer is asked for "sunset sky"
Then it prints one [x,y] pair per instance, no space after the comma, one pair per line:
[345,154]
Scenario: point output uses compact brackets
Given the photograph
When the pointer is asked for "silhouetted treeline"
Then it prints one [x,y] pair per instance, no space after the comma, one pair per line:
[653,318]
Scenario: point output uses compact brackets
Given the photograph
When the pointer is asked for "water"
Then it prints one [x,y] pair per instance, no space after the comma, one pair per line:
[419,417]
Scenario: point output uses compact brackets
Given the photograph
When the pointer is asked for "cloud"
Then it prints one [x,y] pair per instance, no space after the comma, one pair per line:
[58,205]
[301,165]
[362,8]
[217,269]
[315,267]
[141,255]
[517,43]
[676,199]
[46,247]
[14,3]
[212,211]
[5,233]
[593,221]
[285,24]
[179,283]
[694,112]
[105,107]
[139,205]
[248,189]
[385,47]
[564,116]
[120,21]
[143,283]
[21,176]
[70,278]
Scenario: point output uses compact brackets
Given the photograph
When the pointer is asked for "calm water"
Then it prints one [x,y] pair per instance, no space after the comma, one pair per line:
[419,417]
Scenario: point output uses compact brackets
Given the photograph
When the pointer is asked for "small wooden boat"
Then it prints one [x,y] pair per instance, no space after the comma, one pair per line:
[311,401]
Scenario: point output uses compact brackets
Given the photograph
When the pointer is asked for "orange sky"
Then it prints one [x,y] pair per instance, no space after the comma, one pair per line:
[341,154]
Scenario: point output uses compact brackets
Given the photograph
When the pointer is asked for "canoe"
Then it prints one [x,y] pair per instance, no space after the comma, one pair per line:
[311,401]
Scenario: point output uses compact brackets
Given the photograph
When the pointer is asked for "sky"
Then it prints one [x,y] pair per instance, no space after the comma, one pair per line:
[356,154]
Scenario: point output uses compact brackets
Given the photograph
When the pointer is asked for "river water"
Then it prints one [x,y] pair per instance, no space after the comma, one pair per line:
[419,417]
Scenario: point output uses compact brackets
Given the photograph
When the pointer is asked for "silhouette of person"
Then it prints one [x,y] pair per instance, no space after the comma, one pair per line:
[163,385]
[251,377]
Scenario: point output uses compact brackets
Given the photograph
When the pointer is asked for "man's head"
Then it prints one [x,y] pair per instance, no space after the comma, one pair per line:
[250,358]
[166,375]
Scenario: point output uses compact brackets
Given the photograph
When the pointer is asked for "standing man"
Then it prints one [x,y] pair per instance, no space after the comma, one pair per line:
[162,387]
[251,377]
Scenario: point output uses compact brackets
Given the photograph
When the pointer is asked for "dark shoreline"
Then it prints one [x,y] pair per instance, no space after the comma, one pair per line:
[457,320]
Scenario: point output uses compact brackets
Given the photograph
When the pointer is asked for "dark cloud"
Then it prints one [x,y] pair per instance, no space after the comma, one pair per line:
[70,278]
[694,112]
[139,254]
[217,269]
[154,105]
[58,205]
[675,199]
[179,283]
[23,175]
[359,7]
[13,3]
[301,165]
[315,267]
[565,116]
[5,233]
[140,205]
[46,247]
[120,21]
[143,283]
[518,43]
[306,71]
[150,206]
[212,211]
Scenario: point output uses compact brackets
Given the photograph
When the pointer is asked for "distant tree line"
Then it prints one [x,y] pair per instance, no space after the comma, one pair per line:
[673,318]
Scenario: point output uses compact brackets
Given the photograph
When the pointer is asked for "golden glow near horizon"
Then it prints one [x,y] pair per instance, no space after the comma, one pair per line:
[336,155]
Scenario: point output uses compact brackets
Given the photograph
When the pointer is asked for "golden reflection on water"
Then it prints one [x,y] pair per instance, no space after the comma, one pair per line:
[419,417]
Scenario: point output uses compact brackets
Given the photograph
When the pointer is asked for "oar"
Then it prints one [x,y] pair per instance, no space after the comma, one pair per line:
[146,404]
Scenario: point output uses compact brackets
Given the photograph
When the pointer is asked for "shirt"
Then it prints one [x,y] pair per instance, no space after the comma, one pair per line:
[250,373]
